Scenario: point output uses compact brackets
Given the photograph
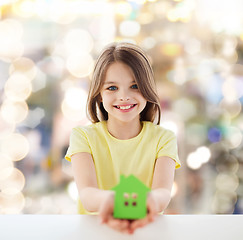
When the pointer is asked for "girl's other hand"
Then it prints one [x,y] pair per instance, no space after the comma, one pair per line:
[152,211]
[106,215]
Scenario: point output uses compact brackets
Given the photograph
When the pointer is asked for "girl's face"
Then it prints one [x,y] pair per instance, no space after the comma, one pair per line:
[120,95]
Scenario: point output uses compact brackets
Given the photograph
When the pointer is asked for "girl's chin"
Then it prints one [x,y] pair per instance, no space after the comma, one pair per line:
[123,120]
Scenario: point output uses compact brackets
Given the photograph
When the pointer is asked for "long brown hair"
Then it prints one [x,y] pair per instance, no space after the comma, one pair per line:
[135,58]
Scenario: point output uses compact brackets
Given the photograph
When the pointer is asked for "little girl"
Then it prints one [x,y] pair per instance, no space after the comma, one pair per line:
[125,137]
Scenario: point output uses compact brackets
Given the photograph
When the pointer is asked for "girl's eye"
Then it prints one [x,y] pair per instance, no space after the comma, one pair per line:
[134,86]
[112,88]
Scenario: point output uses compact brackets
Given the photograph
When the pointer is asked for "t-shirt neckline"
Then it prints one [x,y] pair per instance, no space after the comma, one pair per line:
[124,140]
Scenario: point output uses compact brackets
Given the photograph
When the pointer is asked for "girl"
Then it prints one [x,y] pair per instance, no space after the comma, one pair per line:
[125,137]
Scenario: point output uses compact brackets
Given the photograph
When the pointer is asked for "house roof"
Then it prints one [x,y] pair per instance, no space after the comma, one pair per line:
[131,183]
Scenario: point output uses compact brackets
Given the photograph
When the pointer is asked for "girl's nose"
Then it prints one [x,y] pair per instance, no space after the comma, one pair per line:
[124,96]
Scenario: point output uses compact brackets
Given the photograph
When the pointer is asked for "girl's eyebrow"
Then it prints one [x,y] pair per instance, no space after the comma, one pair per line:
[106,83]
[110,82]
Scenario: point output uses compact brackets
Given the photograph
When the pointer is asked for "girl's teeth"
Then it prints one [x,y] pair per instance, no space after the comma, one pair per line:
[125,107]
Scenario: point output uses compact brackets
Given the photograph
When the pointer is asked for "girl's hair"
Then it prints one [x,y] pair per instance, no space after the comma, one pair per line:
[136,59]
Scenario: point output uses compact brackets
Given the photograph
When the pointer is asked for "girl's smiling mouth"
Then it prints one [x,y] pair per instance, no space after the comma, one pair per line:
[125,107]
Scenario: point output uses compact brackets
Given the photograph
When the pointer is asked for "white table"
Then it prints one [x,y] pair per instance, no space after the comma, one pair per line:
[167,227]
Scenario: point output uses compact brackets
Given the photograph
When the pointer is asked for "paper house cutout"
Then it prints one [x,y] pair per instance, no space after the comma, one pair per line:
[130,198]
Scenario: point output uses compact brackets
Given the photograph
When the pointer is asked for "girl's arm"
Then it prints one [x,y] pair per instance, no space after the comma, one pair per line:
[85,177]
[93,198]
[162,182]
[160,195]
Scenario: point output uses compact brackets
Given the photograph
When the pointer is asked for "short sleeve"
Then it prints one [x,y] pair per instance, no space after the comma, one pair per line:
[167,146]
[78,143]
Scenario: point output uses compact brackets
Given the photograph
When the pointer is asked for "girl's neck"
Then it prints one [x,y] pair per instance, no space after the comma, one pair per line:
[124,130]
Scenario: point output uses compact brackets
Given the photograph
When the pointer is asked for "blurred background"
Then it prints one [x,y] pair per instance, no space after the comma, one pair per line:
[47,52]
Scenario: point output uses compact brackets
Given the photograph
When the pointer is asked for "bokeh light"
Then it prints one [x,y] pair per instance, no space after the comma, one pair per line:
[6,128]
[232,107]
[11,203]
[62,11]
[13,183]
[199,157]
[123,8]
[170,125]
[193,46]
[74,104]
[223,202]
[185,108]
[234,137]
[24,66]
[16,146]
[192,161]
[227,182]
[80,65]
[214,134]
[39,82]
[102,29]
[179,74]
[6,166]
[229,164]
[215,15]
[78,42]
[148,43]
[129,28]
[171,49]
[14,112]
[11,47]
[34,117]
[25,8]
[204,154]
[18,87]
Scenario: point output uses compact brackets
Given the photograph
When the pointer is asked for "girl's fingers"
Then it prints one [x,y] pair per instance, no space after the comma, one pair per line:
[119,225]
[139,223]
[152,210]
[151,213]
[113,223]
[104,214]
[106,208]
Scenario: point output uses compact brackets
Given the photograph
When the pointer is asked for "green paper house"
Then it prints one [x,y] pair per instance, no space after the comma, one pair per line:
[130,198]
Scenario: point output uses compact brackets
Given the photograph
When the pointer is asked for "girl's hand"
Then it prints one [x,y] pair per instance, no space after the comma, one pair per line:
[106,215]
[152,211]
[122,225]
